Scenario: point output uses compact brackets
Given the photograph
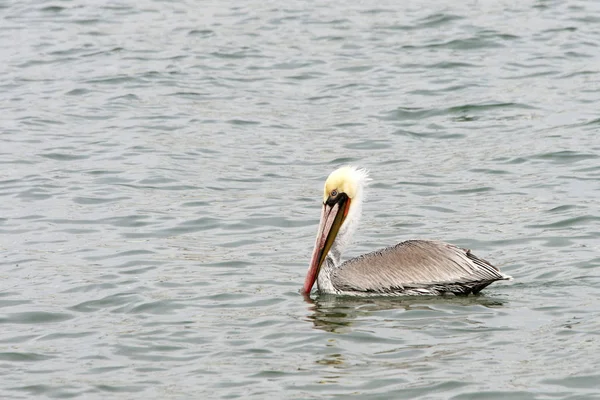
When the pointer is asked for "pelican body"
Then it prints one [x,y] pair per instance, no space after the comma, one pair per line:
[413,267]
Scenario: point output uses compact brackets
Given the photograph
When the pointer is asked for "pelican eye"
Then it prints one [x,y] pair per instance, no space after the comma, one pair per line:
[334,193]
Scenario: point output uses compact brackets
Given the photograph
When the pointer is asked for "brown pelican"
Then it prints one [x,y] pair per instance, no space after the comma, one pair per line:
[414,267]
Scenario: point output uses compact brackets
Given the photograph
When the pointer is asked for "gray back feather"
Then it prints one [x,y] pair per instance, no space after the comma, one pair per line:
[415,264]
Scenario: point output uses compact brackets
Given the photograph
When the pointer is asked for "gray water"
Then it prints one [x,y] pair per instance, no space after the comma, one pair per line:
[163,163]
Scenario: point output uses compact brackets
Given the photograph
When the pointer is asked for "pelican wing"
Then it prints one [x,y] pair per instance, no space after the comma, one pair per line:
[431,267]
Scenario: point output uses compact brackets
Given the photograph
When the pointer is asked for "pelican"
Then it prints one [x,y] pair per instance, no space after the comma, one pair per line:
[413,267]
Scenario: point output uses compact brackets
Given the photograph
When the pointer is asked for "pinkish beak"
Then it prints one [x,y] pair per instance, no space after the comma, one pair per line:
[332,217]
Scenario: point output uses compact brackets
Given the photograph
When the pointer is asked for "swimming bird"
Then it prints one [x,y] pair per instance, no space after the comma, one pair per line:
[413,267]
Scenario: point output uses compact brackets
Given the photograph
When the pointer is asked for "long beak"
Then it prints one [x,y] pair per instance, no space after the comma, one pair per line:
[332,217]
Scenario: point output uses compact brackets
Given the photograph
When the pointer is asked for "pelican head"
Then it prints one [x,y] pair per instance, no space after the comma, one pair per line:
[342,200]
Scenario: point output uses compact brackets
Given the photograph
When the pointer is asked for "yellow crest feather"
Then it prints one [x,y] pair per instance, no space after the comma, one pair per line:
[347,180]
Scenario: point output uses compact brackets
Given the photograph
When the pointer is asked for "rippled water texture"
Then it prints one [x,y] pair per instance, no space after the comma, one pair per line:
[161,170]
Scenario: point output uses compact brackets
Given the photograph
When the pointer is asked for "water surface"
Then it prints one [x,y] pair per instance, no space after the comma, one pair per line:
[162,164]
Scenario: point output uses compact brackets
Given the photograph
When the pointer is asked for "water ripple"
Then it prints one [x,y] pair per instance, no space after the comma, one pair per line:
[161,182]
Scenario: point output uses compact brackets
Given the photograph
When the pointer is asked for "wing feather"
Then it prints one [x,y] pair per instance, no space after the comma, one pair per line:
[414,265]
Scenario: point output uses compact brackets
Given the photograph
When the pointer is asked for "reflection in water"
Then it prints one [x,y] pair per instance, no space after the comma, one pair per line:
[336,314]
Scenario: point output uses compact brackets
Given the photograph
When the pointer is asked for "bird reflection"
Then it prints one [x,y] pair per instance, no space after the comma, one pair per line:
[337,314]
